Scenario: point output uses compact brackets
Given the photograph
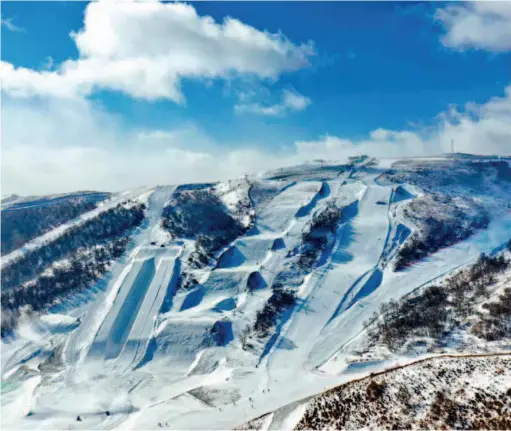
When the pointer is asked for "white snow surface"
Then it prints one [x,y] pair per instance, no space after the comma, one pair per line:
[143,354]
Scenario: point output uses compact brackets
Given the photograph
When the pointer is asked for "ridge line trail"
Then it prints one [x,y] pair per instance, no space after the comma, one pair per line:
[419,360]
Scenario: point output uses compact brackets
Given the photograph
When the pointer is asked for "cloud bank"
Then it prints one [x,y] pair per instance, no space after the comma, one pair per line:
[9,25]
[477,129]
[56,146]
[54,139]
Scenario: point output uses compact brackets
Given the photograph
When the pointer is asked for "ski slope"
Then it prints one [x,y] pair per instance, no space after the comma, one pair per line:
[157,355]
[345,330]
[127,328]
[335,286]
[106,321]
[187,324]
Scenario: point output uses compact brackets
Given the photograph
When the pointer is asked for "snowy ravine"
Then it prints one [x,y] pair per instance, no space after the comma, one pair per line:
[150,349]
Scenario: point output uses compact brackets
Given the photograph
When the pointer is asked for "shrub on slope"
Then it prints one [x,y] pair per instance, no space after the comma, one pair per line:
[437,311]
[109,224]
[443,221]
[460,194]
[200,215]
[441,393]
[495,323]
[78,272]
[315,239]
[451,176]
[267,317]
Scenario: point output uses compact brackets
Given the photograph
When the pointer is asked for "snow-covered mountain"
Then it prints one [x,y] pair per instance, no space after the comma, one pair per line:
[206,306]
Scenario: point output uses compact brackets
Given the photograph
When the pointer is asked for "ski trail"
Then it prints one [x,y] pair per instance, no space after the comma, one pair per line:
[143,327]
[321,291]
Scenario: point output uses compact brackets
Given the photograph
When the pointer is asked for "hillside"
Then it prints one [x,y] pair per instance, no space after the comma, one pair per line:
[208,305]
[427,345]
[450,392]
[24,219]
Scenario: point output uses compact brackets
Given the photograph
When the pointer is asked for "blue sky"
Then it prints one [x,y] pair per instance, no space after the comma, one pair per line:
[348,68]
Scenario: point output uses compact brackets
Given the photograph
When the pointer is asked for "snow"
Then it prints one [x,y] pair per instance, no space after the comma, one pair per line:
[21,401]
[144,350]
[287,417]
[56,321]
[395,285]
[137,291]
[235,194]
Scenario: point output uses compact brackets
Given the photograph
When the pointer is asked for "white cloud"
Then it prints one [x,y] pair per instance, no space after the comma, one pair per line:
[48,63]
[290,101]
[23,82]
[57,145]
[381,143]
[63,145]
[9,25]
[480,24]
[146,49]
